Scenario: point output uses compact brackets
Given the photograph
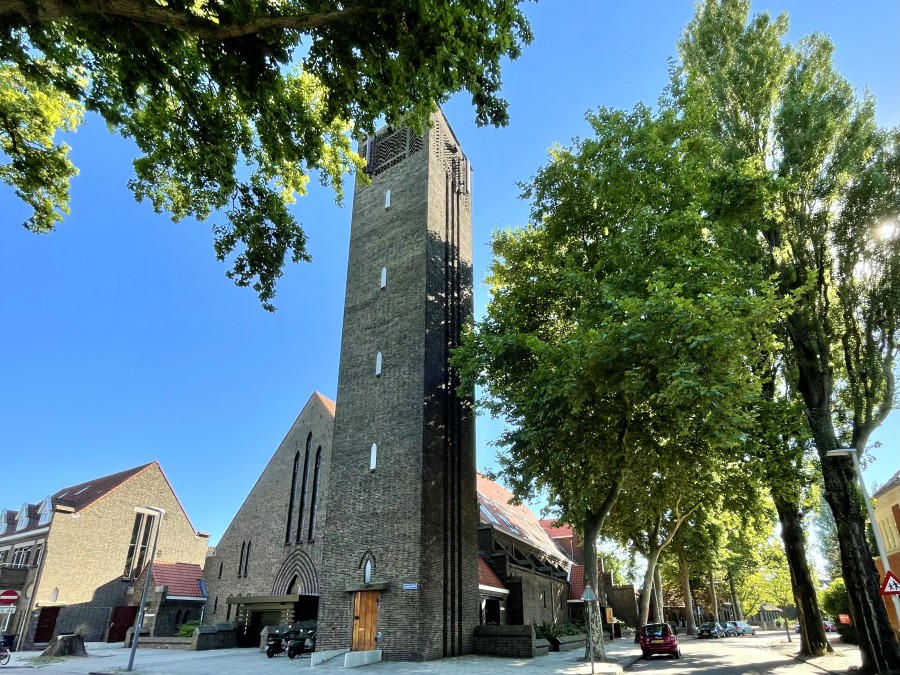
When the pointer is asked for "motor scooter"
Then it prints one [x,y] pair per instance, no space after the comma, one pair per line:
[278,642]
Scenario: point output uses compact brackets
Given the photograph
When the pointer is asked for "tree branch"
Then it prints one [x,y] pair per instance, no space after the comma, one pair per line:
[27,13]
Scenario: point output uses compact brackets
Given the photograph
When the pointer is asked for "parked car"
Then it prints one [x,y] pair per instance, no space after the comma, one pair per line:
[730,630]
[741,628]
[711,629]
[658,638]
[797,627]
[829,626]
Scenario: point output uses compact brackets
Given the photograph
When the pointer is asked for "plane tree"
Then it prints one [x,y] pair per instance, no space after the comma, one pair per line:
[234,105]
[612,334]
[801,167]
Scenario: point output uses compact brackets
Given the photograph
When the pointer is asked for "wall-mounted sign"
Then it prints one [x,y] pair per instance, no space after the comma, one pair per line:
[7,609]
[410,587]
[844,618]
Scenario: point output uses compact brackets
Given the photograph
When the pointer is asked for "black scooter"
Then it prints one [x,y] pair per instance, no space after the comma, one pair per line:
[278,642]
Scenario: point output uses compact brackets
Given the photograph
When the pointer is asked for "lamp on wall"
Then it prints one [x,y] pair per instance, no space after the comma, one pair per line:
[140,615]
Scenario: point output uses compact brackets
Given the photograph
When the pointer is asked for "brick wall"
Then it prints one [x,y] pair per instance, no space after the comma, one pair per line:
[415,516]
[86,551]
[263,518]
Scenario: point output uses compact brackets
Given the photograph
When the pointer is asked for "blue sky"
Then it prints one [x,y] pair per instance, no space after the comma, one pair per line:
[123,342]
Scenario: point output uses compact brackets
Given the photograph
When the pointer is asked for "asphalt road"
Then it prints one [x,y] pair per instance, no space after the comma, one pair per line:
[730,656]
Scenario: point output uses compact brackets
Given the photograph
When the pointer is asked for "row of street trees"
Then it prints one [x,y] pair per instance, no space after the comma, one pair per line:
[708,291]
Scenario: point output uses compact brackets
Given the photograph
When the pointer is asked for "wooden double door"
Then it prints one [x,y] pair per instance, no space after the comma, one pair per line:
[365,620]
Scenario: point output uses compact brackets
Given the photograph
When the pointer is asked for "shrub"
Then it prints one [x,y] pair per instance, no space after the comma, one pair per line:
[836,600]
[187,629]
[552,630]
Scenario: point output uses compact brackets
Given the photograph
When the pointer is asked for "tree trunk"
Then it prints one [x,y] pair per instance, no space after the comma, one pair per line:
[658,595]
[813,641]
[713,598]
[66,645]
[685,574]
[735,601]
[652,559]
[592,523]
[878,644]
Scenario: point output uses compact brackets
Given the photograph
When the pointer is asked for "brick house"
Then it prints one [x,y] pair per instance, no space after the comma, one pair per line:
[887,514]
[526,563]
[73,556]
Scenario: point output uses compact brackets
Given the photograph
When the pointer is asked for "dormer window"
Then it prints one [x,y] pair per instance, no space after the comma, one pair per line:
[22,523]
[46,511]
[3,526]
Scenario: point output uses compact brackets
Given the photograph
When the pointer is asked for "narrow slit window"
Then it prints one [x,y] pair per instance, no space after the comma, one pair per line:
[367,572]
[387,199]
[383,277]
[373,457]
[378,364]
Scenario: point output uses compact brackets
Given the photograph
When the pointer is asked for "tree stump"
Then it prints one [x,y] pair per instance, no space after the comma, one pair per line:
[66,645]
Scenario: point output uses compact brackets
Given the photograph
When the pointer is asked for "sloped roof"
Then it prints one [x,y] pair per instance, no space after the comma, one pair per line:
[576,582]
[516,520]
[84,494]
[892,482]
[182,579]
[330,405]
[553,531]
[76,496]
[487,576]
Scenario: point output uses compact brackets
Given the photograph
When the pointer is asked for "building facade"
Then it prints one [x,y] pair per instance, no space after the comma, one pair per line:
[400,542]
[267,568]
[887,514]
[73,556]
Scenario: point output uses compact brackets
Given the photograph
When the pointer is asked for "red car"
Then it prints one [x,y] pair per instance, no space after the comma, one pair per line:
[658,638]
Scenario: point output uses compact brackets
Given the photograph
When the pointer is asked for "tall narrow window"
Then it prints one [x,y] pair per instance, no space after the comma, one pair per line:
[140,539]
[215,604]
[220,569]
[315,495]
[367,572]
[247,558]
[378,364]
[383,277]
[241,561]
[303,489]
[290,513]
[228,614]
[38,555]
[373,457]
[387,199]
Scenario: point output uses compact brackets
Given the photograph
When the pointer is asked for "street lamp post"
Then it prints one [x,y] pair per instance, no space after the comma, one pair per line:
[882,551]
[138,621]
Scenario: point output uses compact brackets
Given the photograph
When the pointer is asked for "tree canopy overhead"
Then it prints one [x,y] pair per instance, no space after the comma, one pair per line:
[234,104]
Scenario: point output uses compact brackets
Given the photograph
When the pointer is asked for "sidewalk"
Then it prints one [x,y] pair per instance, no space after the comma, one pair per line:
[103,659]
[845,656]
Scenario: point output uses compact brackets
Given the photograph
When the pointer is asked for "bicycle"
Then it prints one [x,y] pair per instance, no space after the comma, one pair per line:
[4,655]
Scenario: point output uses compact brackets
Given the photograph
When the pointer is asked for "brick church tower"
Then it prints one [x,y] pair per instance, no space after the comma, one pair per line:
[400,549]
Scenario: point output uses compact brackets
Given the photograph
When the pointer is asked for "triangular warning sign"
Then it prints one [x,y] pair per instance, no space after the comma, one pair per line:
[891,584]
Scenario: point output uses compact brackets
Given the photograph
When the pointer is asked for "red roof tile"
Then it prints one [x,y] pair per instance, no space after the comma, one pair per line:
[554,531]
[182,579]
[84,494]
[327,402]
[576,582]
[487,576]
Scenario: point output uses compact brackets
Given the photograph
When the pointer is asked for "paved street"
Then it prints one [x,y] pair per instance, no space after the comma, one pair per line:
[766,653]
[763,654]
